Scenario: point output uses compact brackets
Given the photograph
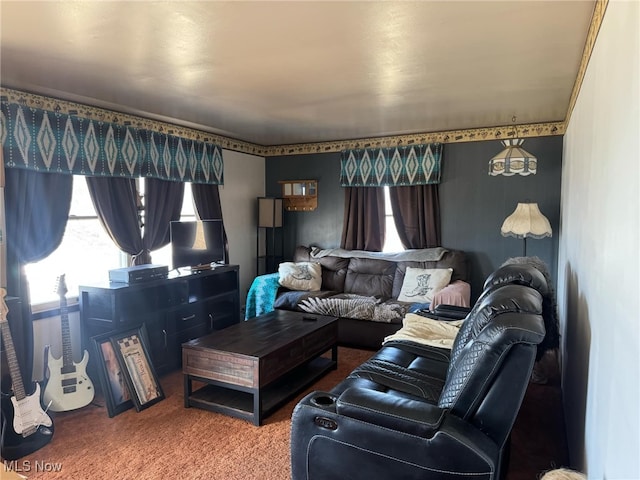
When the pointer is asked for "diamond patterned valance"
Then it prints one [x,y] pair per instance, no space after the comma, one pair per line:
[54,140]
[392,166]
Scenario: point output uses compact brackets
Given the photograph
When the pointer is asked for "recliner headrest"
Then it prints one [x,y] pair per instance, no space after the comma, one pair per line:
[519,274]
[506,299]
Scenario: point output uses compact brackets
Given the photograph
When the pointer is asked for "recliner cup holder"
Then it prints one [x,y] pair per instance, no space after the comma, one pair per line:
[323,401]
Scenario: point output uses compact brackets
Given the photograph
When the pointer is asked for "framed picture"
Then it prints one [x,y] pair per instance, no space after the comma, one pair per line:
[132,353]
[114,386]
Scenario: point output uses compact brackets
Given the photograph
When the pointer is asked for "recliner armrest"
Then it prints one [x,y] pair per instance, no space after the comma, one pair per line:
[323,440]
[451,312]
[445,313]
[416,417]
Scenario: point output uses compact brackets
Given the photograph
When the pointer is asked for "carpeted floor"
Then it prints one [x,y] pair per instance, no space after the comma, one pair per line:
[169,441]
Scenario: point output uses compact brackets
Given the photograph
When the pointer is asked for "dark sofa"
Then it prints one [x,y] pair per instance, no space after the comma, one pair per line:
[347,274]
[413,411]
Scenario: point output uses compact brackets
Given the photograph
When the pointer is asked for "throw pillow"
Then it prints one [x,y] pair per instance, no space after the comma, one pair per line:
[420,284]
[300,275]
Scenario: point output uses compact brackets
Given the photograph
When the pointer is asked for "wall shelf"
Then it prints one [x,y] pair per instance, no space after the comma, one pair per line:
[300,195]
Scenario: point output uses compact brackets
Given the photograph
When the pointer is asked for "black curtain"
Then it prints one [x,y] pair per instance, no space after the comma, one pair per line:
[207,202]
[416,213]
[36,210]
[364,223]
[115,202]
[163,203]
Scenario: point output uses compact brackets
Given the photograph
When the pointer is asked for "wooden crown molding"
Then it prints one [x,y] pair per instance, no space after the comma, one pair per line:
[451,136]
[32,100]
[596,21]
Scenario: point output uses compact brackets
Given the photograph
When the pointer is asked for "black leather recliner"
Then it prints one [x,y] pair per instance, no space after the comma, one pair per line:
[517,274]
[409,413]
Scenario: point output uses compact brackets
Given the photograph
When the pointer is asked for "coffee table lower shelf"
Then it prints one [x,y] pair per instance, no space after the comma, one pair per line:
[254,404]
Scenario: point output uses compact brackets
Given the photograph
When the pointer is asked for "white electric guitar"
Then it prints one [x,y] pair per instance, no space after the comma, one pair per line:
[69,387]
[32,427]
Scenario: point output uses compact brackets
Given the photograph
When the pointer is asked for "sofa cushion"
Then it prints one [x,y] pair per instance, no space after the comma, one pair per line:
[359,307]
[300,275]
[420,284]
[334,272]
[342,305]
[302,254]
[455,259]
[370,277]
[334,269]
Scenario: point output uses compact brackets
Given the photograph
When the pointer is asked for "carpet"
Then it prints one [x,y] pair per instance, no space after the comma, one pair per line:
[168,441]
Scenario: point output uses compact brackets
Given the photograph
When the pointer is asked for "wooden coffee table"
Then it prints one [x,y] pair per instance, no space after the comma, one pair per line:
[251,368]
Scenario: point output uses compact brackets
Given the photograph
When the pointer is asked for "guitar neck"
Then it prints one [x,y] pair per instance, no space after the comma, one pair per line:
[67,354]
[12,360]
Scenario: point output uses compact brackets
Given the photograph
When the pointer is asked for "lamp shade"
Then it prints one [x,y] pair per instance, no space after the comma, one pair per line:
[513,160]
[269,212]
[526,221]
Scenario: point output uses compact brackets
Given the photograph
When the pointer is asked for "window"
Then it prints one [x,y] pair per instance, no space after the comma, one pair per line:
[162,256]
[85,255]
[392,241]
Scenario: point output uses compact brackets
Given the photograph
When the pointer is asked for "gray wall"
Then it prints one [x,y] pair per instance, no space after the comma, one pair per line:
[323,226]
[473,204]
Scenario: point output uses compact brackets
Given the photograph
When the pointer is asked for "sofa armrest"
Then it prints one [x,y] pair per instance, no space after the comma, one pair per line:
[457,293]
[262,295]
[415,417]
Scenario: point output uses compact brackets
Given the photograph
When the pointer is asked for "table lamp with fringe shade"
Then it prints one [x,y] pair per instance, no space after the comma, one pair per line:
[526,221]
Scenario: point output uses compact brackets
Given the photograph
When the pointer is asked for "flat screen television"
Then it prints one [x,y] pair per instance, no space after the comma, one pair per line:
[197,244]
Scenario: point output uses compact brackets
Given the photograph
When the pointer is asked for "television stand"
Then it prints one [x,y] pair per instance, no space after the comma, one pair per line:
[175,309]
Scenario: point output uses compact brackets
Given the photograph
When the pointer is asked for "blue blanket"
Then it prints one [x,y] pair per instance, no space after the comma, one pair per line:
[262,295]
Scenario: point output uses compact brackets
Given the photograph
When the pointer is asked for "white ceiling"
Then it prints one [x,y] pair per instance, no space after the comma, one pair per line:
[275,73]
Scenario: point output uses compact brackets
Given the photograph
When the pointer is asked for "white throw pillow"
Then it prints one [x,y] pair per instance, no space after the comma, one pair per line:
[300,276]
[420,284]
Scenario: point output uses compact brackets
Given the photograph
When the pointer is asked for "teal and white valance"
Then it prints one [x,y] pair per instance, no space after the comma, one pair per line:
[63,141]
[392,166]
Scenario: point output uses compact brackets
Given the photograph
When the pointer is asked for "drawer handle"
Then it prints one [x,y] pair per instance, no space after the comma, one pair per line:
[190,317]
[210,322]
[164,332]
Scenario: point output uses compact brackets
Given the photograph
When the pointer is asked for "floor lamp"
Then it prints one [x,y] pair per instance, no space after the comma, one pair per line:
[526,221]
[270,218]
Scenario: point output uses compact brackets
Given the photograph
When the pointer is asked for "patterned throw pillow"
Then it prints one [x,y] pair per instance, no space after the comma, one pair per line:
[420,284]
[300,275]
